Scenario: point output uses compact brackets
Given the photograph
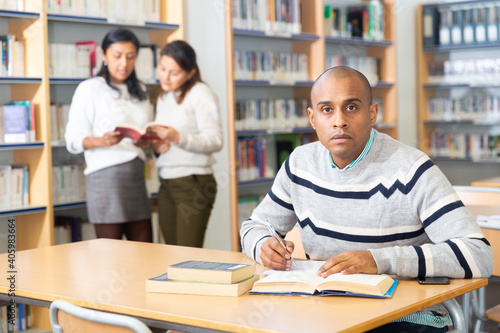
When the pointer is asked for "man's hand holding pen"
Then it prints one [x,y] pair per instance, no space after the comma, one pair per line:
[274,256]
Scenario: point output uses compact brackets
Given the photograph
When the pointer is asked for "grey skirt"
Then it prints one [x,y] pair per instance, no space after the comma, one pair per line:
[118,194]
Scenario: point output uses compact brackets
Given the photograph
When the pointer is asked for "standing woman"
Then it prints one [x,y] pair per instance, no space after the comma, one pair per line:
[117,201]
[189,108]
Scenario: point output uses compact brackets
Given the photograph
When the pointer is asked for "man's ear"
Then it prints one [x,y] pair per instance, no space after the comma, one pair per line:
[311,116]
[373,113]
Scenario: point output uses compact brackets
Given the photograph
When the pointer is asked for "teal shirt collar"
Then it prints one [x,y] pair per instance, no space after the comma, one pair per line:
[360,157]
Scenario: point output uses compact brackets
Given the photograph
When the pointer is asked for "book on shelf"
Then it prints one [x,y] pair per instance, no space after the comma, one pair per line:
[14,185]
[430,26]
[68,182]
[12,56]
[308,283]
[137,133]
[162,284]
[86,56]
[15,124]
[210,271]
[360,21]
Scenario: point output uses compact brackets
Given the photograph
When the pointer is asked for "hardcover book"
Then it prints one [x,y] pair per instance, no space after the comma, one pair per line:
[136,133]
[308,283]
[162,284]
[211,272]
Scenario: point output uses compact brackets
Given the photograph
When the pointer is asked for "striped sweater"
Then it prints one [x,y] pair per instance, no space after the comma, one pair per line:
[395,203]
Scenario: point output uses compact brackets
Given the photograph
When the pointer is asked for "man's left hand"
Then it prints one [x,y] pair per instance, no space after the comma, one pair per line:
[349,262]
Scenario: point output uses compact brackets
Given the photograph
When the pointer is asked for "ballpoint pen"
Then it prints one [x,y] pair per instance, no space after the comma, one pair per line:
[275,234]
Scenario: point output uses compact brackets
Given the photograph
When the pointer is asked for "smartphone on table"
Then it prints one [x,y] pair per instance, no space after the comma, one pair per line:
[433,280]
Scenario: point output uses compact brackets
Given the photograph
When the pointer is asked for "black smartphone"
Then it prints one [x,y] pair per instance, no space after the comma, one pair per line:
[434,280]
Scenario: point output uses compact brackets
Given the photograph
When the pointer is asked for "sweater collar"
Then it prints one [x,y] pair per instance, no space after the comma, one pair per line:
[365,151]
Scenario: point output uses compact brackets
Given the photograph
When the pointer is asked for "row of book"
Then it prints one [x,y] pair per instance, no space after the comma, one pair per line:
[68,183]
[18,318]
[58,119]
[16,5]
[12,56]
[246,205]
[272,16]
[272,66]
[476,23]
[253,161]
[362,21]
[76,60]
[476,146]
[472,72]
[83,59]
[69,229]
[17,122]
[367,65]
[480,109]
[125,10]
[14,185]
[280,113]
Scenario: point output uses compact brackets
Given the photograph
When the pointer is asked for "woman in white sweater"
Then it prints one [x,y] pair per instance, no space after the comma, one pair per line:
[117,201]
[189,108]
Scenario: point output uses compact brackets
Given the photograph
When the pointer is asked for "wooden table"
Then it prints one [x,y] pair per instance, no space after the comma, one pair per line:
[488,182]
[110,275]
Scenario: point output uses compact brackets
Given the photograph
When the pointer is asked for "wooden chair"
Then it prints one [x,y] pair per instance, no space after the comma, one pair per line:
[69,318]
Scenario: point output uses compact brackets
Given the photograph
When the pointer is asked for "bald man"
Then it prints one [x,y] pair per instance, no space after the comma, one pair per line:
[367,203]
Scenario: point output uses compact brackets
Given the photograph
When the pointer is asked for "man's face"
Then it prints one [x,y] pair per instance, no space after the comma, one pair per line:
[342,117]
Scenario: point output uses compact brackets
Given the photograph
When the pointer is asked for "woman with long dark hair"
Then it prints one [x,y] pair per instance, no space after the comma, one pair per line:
[117,201]
[190,111]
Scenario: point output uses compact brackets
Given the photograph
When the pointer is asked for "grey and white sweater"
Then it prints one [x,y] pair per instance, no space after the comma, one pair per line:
[395,203]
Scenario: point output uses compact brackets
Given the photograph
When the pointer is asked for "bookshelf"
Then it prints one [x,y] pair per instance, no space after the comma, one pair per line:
[318,46]
[458,119]
[36,28]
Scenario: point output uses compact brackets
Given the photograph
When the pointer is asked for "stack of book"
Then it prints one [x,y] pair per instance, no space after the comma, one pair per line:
[204,278]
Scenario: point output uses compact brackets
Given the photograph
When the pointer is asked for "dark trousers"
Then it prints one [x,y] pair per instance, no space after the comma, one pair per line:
[184,206]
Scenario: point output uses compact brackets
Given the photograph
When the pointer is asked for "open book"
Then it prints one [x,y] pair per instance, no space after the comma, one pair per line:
[136,133]
[304,282]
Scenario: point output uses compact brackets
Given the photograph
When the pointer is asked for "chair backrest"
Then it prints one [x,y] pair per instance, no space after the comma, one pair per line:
[67,318]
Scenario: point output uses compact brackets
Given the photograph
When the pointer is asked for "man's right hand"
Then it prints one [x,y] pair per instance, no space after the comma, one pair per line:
[274,256]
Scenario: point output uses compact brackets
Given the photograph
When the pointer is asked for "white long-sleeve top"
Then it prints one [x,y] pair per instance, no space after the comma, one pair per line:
[96,109]
[200,132]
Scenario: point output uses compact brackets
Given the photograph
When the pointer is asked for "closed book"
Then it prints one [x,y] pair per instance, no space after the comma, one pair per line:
[308,283]
[430,26]
[162,284]
[15,123]
[209,271]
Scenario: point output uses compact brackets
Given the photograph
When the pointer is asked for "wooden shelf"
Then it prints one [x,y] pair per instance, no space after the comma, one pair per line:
[24,210]
[15,15]
[274,131]
[16,146]
[20,80]
[358,41]
[112,22]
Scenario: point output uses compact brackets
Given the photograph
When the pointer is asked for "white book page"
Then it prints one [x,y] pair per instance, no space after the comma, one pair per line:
[310,266]
[368,279]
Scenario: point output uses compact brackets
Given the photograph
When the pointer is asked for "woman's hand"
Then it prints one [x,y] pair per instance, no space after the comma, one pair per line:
[165,133]
[110,138]
[161,146]
[143,144]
